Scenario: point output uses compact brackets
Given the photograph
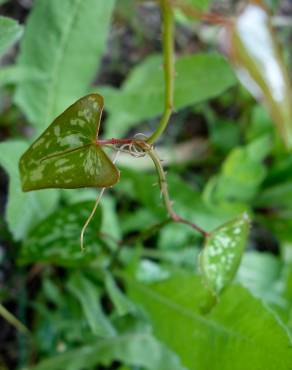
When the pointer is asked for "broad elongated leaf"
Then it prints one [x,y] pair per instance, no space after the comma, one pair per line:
[88,294]
[56,239]
[64,41]
[250,44]
[10,31]
[198,77]
[23,211]
[222,253]
[136,349]
[238,332]
[66,154]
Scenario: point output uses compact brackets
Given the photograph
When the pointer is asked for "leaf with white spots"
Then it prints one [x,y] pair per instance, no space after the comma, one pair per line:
[222,253]
[66,154]
[56,239]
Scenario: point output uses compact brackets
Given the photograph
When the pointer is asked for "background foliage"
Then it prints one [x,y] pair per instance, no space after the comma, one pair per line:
[136,299]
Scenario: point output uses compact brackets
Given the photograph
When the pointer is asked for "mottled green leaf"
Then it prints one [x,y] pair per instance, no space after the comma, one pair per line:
[88,294]
[66,154]
[57,238]
[238,333]
[10,31]
[135,349]
[23,211]
[222,253]
[64,41]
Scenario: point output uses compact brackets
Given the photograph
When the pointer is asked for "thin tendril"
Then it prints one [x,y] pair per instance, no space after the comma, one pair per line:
[95,207]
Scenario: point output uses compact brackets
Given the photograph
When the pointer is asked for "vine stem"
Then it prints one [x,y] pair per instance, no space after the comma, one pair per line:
[168,66]
[147,149]
[164,190]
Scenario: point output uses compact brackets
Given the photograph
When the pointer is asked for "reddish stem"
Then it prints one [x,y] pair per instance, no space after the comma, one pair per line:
[114,141]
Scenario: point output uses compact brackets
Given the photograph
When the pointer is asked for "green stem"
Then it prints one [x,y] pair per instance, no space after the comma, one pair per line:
[169,71]
[12,319]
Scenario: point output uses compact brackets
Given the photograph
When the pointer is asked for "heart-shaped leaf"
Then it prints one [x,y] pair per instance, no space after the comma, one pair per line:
[66,154]
[250,44]
[56,239]
[222,253]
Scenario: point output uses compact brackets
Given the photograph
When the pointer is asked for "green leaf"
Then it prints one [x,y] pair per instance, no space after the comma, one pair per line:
[242,172]
[88,294]
[23,211]
[222,253]
[122,304]
[198,77]
[64,41]
[10,32]
[199,4]
[57,238]
[141,350]
[262,274]
[66,154]
[15,74]
[238,332]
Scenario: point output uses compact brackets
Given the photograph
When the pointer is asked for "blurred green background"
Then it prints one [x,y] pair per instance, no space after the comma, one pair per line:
[134,300]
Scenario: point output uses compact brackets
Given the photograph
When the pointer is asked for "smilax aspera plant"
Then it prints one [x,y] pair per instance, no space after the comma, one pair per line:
[70,154]
[107,261]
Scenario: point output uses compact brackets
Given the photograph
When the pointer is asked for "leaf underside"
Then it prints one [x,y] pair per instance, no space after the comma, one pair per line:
[66,154]
[222,253]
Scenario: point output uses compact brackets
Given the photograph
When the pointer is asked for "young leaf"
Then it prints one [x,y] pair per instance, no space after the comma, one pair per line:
[64,41]
[66,155]
[250,44]
[222,253]
[243,171]
[10,31]
[56,239]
